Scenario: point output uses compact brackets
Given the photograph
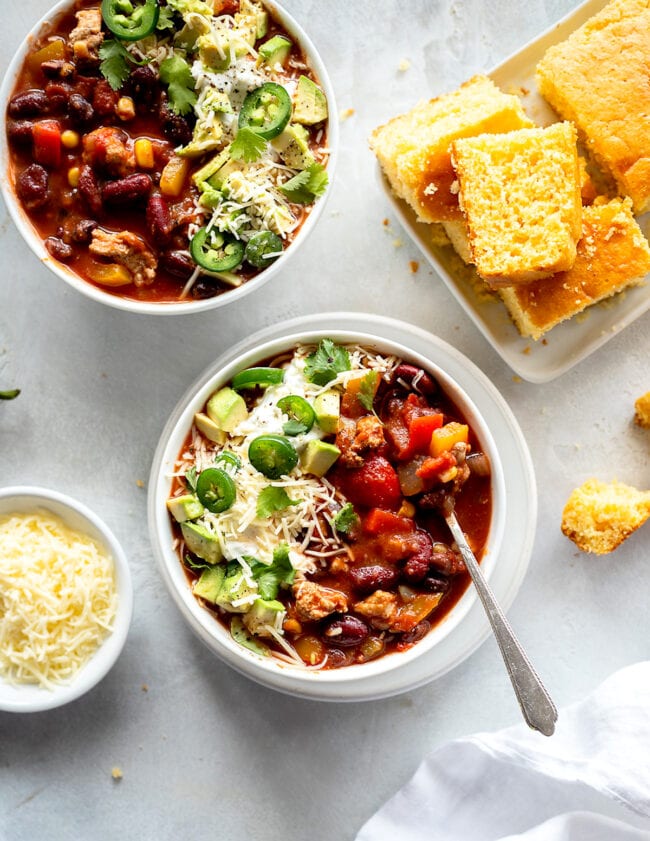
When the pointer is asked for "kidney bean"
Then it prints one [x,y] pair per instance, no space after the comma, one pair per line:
[204,288]
[82,231]
[57,68]
[32,187]
[411,637]
[176,129]
[159,220]
[415,377]
[58,249]
[142,82]
[417,565]
[104,99]
[129,190]
[181,265]
[19,132]
[345,632]
[375,577]
[446,559]
[28,104]
[435,582]
[58,94]
[88,187]
[80,110]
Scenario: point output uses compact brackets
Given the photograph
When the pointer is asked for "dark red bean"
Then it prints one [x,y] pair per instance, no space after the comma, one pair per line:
[447,560]
[416,378]
[82,231]
[130,190]
[435,582]
[28,104]
[104,99]
[376,577]
[411,637]
[180,265]
[57,68]
[418,564]
[59,249]
[176,129]
[80,110]
[19,132]
[142,82]
[345,632]
[204,288]
[88,187]
[58,94]
[159,220]
[32,187]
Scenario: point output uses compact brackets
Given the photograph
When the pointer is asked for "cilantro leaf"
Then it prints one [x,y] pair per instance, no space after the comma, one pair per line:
[306,186]
[367,390]
[324,364]
[190,480]
[192,563]
[345,518]
[269,577]
[272,499]
[115,63]
[248,145]
[165,18]
[294,427]
[176,74]
[10,394]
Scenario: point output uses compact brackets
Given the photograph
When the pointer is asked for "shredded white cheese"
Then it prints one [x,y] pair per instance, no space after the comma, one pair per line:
[58,599]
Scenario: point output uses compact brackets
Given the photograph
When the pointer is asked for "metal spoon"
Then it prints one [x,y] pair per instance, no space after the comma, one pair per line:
[539,711]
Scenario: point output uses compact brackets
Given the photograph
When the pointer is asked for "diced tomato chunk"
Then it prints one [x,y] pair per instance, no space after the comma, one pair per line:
[373,485]
[379,521]
[46,136]
[434,467]
[420,431]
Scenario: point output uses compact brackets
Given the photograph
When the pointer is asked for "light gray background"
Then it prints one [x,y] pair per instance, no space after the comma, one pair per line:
[206,753]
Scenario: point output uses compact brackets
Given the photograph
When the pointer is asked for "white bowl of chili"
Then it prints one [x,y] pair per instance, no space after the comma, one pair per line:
[404,645]
[66,599]
[149,209]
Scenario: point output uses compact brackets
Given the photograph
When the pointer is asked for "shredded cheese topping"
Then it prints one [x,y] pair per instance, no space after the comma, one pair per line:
[58,599]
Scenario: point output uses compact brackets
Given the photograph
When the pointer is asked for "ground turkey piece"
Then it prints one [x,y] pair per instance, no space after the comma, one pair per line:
[109,148]
[129,250]
[314,602]
[380,609]
[87,36]
[357,437]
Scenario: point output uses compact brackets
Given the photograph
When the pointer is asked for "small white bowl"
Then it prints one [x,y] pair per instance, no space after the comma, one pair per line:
[35,243]
[25,697]
[392,673]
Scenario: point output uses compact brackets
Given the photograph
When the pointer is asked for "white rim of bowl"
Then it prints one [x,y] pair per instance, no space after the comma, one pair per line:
[200,620]
[110,649]
[30,237]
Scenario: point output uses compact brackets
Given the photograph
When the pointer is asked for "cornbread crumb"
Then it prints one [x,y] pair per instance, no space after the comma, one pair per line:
[516,379]
[414,266]
[413,148]
[346,114]
[642,410]
[404,65]
[139,483]
[599,516]
[598,79]
[116,773]
[397,243]
[612,254]
[520,193]
[144,687]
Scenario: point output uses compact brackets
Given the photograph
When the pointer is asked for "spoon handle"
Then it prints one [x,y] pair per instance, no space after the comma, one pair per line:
[539,711]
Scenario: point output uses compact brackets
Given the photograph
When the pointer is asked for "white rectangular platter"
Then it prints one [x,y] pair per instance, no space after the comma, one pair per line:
[570,342]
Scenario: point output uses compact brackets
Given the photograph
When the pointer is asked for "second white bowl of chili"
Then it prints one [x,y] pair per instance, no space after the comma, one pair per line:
[172,162]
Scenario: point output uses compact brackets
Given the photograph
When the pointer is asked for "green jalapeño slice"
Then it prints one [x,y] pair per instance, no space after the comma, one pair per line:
[266,110]
[215,489]
[216,251]
[300,412]
[129,20]
[273,455]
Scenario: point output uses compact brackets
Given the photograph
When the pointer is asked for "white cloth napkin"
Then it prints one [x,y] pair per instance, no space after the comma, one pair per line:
[589,782]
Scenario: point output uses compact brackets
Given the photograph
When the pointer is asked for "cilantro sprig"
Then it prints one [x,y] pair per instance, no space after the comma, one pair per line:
[306,186]
[115,63]
[248,146]
[272,499]
[345,519]
[270,577]
[326,362]
[368,389]
[176,74]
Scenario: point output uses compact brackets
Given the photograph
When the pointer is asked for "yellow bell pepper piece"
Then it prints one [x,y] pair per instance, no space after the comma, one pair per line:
[109,274]
[54,51]
[444,438]
[173,176]
[143,148]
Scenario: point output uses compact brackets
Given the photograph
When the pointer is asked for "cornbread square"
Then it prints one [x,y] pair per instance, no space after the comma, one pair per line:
[612,254]
[599,516]
[642,410]
[413,148]
[520,193]
[598,79]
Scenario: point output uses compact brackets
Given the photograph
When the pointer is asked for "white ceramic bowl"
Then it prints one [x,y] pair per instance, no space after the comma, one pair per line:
[31,698]
[35,243]
[392,673]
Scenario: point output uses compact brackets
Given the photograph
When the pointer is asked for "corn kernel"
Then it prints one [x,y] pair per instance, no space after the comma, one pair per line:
[125,109]
[173,176]
[73,176]
[143,148]
[407,509]
[70,139]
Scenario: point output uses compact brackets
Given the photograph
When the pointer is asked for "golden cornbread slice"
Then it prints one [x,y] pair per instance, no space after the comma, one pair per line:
[598,79]
[413,148]
[612,254]
[642,410]
[599,516]
[520,193]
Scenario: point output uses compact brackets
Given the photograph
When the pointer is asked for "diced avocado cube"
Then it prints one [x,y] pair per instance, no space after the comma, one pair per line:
[293,146]
[235,587]
[201,542]
[183,508]
[209,169]
[209,583]
[214,52]
[327,406]
[275,50]
[262,613]
[226,408]
[318,456]
[251,21]
[240,633]
[309,104]
[209,428]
